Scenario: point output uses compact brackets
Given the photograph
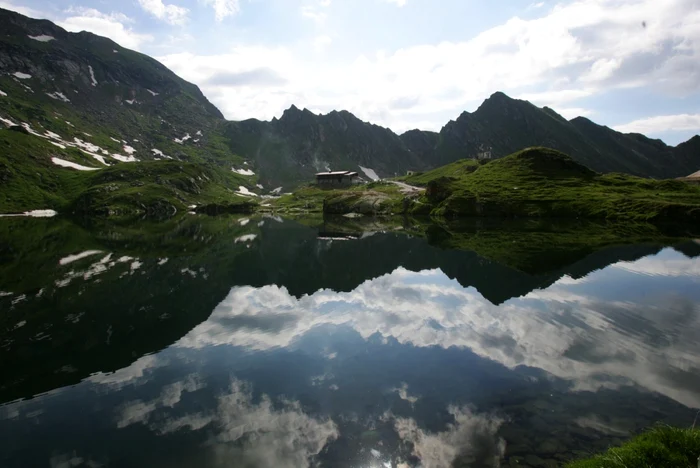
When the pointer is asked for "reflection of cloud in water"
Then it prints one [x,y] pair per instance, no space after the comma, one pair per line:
[139,412]
[566,330]
[471,438]
[676,265]
[252,434]
[129,374]
[404,395]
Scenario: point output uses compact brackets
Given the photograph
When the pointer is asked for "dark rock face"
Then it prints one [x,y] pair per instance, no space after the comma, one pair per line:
[508,125]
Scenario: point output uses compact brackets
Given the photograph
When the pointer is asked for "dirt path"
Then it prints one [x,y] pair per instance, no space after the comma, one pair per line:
[407,189]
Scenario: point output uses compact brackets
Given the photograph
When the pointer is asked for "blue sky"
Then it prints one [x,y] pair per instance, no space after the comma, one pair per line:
[633,65]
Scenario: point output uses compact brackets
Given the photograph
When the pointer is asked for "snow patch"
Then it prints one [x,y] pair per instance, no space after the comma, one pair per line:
[152,92]
[2,93]
[259,186]
[115,140]
[370,173]
[72,165]
[86,146]
[7,122]
[115,51]
[158,152]
[58,144]
[244,221]
[122,158]
[96,156]
[131,102]
[244,191]
[246,238]
[277,191]
[58,96]
[199,133]
[76,257]
[42,38]
[183,139]
[22,76]
[129,150]
[245,172]
[67,122]
[92,75]
[52,135]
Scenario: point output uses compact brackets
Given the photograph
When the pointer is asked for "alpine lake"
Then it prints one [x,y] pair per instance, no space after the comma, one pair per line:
[259,341]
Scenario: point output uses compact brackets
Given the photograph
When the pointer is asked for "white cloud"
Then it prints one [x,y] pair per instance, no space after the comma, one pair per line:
[581,48]
[316,11]
[534,6]
[322,42]
[223,8]
[23,10]
[398,3]
[109,25]
[171,14]
[662,123]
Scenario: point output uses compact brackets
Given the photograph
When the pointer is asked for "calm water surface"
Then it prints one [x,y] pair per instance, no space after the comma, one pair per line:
[262,342]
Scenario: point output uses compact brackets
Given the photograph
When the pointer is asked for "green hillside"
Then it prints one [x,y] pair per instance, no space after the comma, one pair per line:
[540,182]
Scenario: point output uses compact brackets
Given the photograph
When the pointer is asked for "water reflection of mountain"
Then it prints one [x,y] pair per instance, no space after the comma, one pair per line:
[85,300]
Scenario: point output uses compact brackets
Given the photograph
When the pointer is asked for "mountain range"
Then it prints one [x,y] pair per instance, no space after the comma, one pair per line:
[83,102]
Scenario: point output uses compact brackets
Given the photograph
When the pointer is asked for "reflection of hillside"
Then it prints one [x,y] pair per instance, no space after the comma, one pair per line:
[139,288]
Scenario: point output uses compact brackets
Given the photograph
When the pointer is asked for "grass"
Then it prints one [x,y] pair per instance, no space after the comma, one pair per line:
[312,199]
[660,447]
[540,182]
[457,169]
[31,181]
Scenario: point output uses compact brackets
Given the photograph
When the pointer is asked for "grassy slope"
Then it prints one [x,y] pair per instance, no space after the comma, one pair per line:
[661,447]
[539,182]
[31,181]
[372,198]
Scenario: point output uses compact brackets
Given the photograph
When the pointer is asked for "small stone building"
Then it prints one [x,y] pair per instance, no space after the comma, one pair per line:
[336,179]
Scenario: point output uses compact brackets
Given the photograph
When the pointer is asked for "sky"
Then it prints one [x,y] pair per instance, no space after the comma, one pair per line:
[631,65]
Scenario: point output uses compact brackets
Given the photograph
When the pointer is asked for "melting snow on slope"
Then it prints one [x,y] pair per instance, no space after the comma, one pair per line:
[58,96]
[72,165]
[115,140]
[76,257]
[3,94]
[123,158]
[370,173]
[183,139]
[245,172]
[129,150]
[246,238]
[22,76]
[131,101]
[277,191]
[199,133]
[259,186]
[42,38]
[244,191]
[152,92]
[86,146]
[58,144]
[7,122]
[92,75]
